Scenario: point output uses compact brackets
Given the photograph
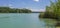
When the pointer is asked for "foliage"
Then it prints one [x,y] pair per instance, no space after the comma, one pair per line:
[13,10]
[53,11]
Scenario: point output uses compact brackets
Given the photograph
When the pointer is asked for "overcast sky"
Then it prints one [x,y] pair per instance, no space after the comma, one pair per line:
[30,4]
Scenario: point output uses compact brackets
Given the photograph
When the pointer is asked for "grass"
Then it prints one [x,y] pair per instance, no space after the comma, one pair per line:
[57,27]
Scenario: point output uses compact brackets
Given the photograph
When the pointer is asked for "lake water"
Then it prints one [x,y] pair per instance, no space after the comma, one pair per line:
[21,20]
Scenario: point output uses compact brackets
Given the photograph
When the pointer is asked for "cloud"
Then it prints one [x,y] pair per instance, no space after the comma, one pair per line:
[40,10]
[9,5]
[36,0]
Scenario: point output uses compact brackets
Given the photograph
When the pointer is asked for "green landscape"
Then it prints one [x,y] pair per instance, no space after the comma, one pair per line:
[52,12]
[50,17]
[13,10]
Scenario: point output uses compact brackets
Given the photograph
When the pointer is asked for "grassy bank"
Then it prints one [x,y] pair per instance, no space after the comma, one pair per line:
[52,12]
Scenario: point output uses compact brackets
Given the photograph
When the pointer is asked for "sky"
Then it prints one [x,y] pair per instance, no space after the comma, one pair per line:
[35,5]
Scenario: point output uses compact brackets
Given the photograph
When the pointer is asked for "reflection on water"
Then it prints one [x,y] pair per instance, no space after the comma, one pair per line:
[23,20]
[50,23]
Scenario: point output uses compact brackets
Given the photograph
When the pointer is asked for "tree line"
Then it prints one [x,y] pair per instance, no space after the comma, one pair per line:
[14,10]
[52,11]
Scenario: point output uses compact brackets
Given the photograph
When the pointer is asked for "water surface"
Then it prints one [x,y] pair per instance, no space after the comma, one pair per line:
[20,20]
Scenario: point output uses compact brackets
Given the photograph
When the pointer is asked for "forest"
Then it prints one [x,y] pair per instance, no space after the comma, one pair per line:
[14,10]
[52,12]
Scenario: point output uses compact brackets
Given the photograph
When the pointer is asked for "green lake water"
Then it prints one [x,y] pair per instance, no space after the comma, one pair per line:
[21,20]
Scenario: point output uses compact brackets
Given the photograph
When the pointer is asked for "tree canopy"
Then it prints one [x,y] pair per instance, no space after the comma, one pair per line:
[14,10]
